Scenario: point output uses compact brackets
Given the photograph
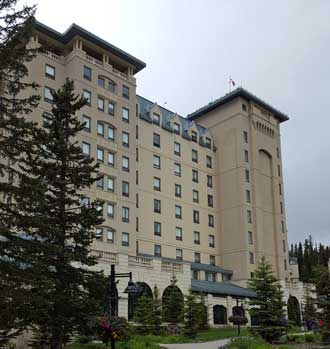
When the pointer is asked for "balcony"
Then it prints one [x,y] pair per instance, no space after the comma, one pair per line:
[104,256]
[140,261]
[172,266]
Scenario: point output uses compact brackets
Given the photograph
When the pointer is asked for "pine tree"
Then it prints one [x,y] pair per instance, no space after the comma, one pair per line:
[202,311]
[268,306]
[173,303]
[16,28]
[143,315]
[190,315]
[310,314]
[65,289]
[156,312]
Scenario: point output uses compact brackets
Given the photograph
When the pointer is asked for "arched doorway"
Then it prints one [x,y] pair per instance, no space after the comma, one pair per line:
[238,311]
[172,304]
[294,314]
[133,299]
[219,315]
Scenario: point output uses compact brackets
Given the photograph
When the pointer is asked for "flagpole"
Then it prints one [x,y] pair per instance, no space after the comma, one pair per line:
[229,84]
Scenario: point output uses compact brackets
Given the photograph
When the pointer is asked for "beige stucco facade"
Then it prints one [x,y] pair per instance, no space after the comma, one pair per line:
[231,174]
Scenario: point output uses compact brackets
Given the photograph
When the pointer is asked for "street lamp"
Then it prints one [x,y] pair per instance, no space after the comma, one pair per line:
[112,306]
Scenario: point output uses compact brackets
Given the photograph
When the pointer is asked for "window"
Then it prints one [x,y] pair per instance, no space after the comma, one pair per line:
[125,239]
[136,177]
[86,149]
[212,261]
[125,114]
[111,108]
[247,195]
[177,169]
[111,133]
[157,183]
[100,155]
[211,220]
[194,155]
[177,148]
[208,142]
[210,276]
[86,120]
[125,92]
[85,201]
[251,257]
[50,71]
[178,254]
[250,238]
[125,139]
[156,140]
[100,182]
[125,188]
[278,152]
[244,107]
[136,132]
[88,96]
[246,156]
[209,181]
[197,237]
[194,136]
[125,164]
[197,257]
[178,190]
[210,200]
[137,225]
[285,265]
[283,226]
[110,210]
[245,136]
[100,103]
[112,86]
[157,206]
[111,184]
[99,234]
[176,128]
[211,241]
[87,73]
[208,161]
[279,170]
[178,211]
[196,216]
[101,82]
[99,208]
[178,233]
[100,128]
[280,188]
[284,246]
[158,251]
[125,214]
[249,216]
[195,196]
[48,95]
[195,176]
[156,119]
[247,176]
[156,161]
[195,274]
[281,207]
[157,228]
[110,235]
[111,159]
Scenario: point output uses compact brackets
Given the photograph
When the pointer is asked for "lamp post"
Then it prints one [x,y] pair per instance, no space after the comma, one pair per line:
[112,306]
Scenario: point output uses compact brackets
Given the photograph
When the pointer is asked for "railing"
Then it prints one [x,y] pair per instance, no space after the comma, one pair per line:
[104,256]
[142,261]
[51,55]
[94,60]
[172,266]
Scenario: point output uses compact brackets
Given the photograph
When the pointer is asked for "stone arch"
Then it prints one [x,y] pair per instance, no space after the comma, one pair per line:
[219,315]
[167,313]
[294,314]
[133,299]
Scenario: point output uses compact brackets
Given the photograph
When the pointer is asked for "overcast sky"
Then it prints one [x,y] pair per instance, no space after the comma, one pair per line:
[278,50]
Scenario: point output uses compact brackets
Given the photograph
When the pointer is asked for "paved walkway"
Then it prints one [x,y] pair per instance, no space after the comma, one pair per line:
[205,345]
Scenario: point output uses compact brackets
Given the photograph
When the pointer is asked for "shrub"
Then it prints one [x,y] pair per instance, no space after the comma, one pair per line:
[291,338]
[248,343]
[238,320]
[309,338]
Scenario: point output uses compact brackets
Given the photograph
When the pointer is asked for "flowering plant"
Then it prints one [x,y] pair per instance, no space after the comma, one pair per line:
[112,329]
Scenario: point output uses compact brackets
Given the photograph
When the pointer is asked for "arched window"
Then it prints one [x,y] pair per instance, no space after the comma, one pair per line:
[238,311]
[294,314]
[219,315]
[133,299]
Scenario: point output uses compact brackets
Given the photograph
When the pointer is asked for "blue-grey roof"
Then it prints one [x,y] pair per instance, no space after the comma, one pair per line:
[75,29]
[221,288]
[145,106]
[239,92]
[211,268]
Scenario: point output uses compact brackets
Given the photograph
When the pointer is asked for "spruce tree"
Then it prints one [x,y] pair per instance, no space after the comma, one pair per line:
[173,303]
[156,311]
[143,314]
[65,289]
[17,99]
[310,314]
[190,315]
[268,306]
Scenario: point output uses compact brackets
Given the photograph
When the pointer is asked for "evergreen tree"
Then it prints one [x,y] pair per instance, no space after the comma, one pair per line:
[310,314]
[65,289]
[322,285]
[156,311]
[173,303]
[143,314]
[202,311]
[190,315]
[16,28]
[268,306]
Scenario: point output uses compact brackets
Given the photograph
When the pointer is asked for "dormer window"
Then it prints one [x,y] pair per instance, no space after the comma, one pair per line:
[194,136]
[156,119]
[176,128]
[208,142]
